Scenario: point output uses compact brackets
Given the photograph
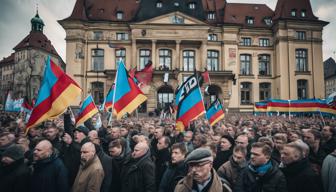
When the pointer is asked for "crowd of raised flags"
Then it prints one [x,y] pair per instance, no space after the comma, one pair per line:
[58,91]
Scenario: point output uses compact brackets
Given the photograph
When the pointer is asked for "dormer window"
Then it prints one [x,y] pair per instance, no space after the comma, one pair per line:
[293,12]
[250,20]
[211,16]
[192,5]
[176,4]
[159,4]
[268,21]
[303,13]
[120,15]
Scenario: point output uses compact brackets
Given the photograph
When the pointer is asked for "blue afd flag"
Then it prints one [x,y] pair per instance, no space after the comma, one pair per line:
[189,103]
[215,112]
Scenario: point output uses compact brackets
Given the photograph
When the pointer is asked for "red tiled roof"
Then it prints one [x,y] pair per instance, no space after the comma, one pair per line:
[236,13]
[37,40]
[101,10]
[7,60]
[284,7]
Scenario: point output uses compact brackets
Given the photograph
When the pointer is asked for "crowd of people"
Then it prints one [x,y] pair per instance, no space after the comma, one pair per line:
[241,153]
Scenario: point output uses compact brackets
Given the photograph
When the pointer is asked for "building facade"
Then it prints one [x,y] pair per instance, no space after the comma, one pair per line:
[24,69]
[329,76]
[252,53]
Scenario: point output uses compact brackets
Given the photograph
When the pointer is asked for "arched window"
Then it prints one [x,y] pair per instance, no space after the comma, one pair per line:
[245,93]
[97,90]
[188,60]
[165,96]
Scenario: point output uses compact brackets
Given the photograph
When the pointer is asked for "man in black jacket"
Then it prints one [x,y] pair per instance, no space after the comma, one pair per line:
[138,173]
[162,158]
[14,173]
[299,175]
[50,174]
[262,174]
[176,170]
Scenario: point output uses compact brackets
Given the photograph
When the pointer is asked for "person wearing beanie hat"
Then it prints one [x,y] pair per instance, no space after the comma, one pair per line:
[224,153]
[201,175]
[14,173]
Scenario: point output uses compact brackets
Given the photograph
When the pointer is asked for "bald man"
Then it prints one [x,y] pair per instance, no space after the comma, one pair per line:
[90,174]
[138,173]
[49,172]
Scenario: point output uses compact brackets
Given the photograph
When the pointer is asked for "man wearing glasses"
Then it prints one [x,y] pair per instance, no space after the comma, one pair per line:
[201,176]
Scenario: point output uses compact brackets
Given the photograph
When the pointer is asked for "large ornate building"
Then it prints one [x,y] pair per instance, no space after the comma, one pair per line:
[22,72]
[252,52]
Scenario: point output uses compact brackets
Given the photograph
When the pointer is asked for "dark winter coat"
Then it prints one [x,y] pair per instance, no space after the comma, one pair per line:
[15,177]
[106,162]
[138,175]
[50,175]
[117,164]
[161,163]
[172,175]
[301,178]
[231,170]
[272,181]
[221,158]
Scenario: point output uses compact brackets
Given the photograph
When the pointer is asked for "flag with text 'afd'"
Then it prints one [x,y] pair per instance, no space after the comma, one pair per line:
[127,95]
[87,110]
[56,93]
[189,103]
[215,112]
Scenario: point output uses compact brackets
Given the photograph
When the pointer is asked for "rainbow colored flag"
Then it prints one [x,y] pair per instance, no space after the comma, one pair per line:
[189,103]
[109,99]
[127,95]
[87,110]
[56,93]
[260,107]
[215,112]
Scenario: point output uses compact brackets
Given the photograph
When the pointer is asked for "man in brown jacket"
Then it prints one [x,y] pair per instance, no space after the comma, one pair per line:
[201,177]
[90,174]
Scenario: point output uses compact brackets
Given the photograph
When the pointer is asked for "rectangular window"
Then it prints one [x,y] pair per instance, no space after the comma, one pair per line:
[120,54]
[211,16]
[264,91]
[301,60]
[246,41]
[212,37]
[97,62]
[264,65]
[145,55]
[165,59]
[302,88]
[213,60]
[301,35]
[264,42]
[97,35]
[245,93]
[122,36]
[250,20]
[120,15]
[245,64]
[188,60]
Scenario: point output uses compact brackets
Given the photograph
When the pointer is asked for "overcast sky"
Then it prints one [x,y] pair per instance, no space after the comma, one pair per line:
[15,18]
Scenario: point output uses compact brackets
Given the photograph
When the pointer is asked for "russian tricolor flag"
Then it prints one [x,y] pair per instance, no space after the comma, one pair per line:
[56,93]
[215,112]
[127,95]
[87,110]
[189,103]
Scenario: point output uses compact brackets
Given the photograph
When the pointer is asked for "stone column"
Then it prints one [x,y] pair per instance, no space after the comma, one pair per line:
[203,56]
[154,53]
[134,54]
[222,56]
[177,58]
